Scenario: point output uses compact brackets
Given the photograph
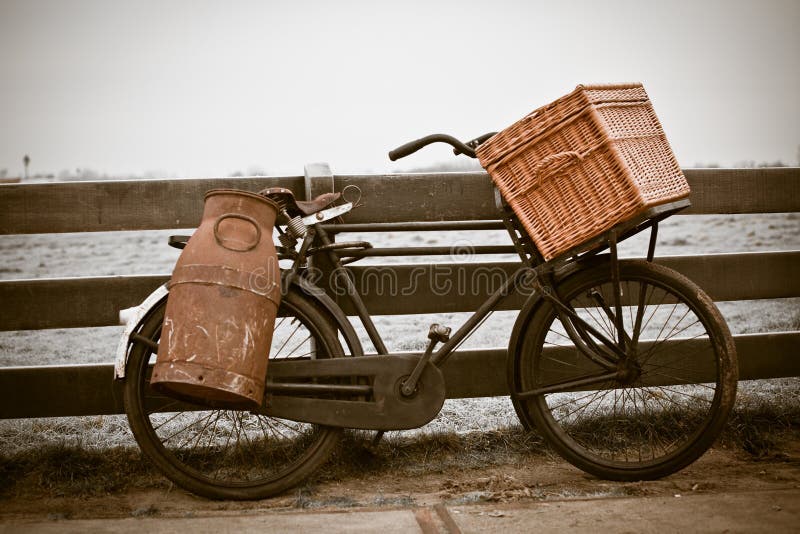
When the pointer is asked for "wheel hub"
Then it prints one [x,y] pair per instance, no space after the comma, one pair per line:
[628,371]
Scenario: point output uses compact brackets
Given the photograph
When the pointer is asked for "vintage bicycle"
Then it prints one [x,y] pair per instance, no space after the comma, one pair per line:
[625,367]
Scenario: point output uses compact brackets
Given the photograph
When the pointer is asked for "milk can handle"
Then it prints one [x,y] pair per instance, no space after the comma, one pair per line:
[252,221]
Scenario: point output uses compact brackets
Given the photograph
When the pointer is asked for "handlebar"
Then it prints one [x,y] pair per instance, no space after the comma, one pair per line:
[413,146]
[475,142]
[468,148]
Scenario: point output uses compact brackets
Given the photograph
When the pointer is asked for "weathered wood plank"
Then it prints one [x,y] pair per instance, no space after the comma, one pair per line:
[760,356]
[469,196]
[158,204]
[115,205]
[387,290]
[444,288]
[742,276]
[57,391]
[422,197]
[71,302]
[764,190]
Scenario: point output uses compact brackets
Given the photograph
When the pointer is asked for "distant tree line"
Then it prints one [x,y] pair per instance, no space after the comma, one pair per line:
[748,164]
[459,165]
[462,165]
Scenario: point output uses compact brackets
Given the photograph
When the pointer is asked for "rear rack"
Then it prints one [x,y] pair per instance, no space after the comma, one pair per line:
[649,218]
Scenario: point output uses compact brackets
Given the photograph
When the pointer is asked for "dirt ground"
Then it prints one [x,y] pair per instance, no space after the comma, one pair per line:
[720,472]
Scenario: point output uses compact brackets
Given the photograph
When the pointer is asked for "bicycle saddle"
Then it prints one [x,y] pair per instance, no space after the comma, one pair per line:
[285,199]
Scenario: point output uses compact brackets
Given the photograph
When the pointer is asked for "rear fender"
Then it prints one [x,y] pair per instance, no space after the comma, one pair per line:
[329,305]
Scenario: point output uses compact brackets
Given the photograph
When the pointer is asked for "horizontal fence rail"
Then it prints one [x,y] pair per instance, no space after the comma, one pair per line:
[92,389]
[387,290]
[417,202]
[163,204]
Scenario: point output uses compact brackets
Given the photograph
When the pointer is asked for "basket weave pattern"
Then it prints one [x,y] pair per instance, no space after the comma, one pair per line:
[578,166]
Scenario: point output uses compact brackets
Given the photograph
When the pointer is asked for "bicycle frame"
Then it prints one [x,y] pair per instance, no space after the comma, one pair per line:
[345,401]
[609,354]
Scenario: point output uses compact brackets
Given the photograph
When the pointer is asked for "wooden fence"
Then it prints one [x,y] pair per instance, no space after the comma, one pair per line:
[430,201]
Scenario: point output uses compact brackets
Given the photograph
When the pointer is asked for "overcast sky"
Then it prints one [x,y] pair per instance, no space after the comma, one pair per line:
[190,88]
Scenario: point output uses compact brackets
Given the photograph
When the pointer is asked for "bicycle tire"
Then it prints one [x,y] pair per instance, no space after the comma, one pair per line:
[637,427]
[231,454]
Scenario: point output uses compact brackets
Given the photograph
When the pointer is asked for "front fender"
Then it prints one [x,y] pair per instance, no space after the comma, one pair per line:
[135,316]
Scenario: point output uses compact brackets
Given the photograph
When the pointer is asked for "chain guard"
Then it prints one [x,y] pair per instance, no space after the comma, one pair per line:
[385,409]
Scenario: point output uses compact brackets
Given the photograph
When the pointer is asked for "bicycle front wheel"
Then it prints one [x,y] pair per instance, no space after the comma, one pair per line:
[668,400]
[223,453]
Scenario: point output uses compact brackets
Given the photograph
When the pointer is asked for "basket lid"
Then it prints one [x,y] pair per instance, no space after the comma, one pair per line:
[549,116]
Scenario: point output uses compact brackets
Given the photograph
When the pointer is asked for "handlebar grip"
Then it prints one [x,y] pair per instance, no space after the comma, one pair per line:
[409,148]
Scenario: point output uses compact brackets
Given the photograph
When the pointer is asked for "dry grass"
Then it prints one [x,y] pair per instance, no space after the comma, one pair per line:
[765,418]
[765,422]
[65,470]
[77,456]
[440,452]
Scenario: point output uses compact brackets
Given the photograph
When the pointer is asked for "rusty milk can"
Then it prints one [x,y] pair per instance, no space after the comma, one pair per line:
[223,299]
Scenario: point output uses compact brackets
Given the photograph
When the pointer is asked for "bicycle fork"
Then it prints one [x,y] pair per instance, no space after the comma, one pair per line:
[612,355]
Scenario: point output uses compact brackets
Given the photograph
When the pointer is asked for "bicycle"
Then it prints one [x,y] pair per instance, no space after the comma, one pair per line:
[625,367]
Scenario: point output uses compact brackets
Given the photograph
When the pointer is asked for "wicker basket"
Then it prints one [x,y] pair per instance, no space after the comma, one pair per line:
[576,167]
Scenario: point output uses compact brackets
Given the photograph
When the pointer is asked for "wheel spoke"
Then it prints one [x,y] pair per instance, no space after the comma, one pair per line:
[300,345]
[278,352]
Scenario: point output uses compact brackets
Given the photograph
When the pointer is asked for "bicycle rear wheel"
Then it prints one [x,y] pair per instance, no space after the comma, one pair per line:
[224,453]
[665,406]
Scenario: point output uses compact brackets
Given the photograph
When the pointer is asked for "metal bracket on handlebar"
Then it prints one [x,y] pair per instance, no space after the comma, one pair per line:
[474,143]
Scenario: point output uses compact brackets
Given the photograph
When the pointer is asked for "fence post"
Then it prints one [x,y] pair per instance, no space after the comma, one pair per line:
[318,181]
